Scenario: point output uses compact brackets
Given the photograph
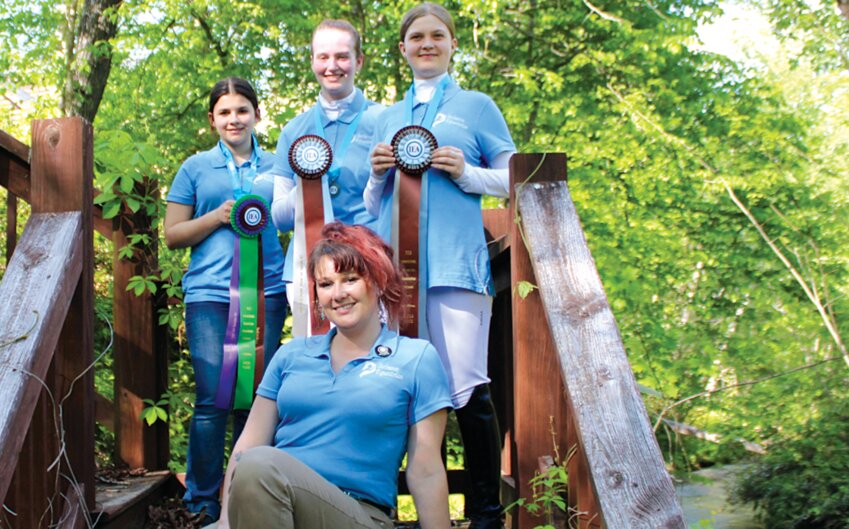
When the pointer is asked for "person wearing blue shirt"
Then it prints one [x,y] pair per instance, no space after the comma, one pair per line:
[474,148]
[198,216]
[345,118]
[336,413]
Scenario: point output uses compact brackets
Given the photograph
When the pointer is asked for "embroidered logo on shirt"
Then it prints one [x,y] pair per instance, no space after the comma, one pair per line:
[372,368]
[451,120]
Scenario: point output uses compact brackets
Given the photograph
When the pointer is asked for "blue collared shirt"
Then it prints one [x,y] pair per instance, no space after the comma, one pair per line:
[203,182]
[456,247]
[351,427]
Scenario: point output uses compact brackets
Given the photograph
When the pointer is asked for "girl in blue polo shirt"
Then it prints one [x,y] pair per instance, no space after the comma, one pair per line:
[198,216]
[345,118]
[336,413]
[472,158]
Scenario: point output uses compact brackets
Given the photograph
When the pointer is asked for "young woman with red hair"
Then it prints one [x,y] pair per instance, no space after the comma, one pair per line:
[335,413]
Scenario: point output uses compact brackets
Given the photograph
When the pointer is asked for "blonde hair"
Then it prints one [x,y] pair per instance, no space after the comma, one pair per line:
[341,25]
[422,10]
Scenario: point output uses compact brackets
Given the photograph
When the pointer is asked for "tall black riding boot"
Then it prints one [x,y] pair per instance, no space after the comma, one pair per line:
[482,447]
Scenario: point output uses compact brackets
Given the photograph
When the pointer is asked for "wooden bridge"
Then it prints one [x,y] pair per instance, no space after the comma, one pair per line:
[561,379]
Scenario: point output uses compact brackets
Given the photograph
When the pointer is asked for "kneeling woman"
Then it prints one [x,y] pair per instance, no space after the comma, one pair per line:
[335,413]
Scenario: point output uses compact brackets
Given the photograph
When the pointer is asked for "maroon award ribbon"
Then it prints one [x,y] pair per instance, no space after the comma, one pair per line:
[413,148]
[310,156]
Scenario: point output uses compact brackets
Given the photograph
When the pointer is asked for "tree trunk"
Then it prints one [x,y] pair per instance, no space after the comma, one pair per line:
[92,58]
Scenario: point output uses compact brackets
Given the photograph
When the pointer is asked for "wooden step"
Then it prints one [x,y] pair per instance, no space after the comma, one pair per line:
[123,504]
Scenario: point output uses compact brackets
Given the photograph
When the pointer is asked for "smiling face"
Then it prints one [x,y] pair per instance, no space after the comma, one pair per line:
[234,118]
[335,62]
[347,299]
[428,46]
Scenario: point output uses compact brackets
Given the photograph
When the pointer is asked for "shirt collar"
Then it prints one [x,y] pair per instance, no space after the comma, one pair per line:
[425,88]
[347,106]
[319,346]
[218,160]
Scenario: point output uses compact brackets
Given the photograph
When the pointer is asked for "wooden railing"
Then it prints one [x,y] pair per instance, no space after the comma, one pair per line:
[56,175]
[46,317]
[559,369]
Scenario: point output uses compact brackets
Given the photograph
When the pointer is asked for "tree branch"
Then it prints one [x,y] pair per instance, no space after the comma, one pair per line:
[829,323]
[709,392]
[221,52]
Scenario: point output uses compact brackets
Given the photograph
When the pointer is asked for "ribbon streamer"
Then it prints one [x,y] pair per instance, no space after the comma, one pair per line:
[310,156]
[413,148]
[243,342]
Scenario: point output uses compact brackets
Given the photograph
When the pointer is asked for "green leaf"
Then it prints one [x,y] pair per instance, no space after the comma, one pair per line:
[126,252]
[133,204]
[111,209]
[523,288]
[127,183]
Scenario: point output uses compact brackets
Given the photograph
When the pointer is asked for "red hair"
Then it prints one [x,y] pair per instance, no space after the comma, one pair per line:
[358,249]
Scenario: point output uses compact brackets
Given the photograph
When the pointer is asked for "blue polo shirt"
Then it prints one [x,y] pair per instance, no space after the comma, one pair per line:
[456,247]
[348,206]
[351,427]
[203,182]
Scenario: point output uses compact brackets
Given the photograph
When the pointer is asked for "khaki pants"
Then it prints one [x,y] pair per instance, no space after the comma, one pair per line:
[272,489]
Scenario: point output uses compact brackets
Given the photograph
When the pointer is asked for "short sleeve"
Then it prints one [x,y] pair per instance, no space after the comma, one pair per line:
[430,391]
[281,160]
[183,188]
[492,132]
[272,379]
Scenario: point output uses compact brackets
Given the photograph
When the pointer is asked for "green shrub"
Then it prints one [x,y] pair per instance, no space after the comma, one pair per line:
[803,482]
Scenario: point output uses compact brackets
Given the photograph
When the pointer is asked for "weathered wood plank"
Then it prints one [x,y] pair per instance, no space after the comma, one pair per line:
[32,494]
[62,171]
[14,175]
[631,484]
[15,148]
[36,291]
[14,166]
[537,385]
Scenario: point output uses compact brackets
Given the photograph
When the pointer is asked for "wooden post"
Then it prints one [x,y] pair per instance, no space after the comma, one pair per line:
[14,176]
[538,401]
[627,471]
[140,352]
[62,169]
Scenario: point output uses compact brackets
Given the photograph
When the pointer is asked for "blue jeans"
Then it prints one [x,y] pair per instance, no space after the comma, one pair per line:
[206,325]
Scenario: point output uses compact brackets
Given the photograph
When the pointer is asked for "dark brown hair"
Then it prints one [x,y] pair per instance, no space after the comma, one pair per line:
[232,85]
[358,249]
